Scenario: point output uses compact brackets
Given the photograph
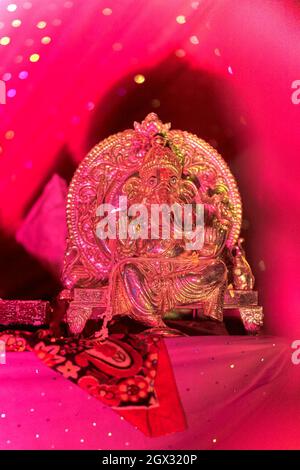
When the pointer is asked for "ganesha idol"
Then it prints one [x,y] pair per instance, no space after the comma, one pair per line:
[144,263]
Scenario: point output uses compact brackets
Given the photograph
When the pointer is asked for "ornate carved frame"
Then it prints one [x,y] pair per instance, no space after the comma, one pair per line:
[99,178]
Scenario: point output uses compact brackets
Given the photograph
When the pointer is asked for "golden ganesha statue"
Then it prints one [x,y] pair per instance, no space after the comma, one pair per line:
[154,218]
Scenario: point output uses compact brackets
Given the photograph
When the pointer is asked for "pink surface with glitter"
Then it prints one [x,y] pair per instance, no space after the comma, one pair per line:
[223,70]
[237,393]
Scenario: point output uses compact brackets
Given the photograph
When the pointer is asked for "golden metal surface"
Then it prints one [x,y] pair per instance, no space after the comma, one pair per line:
[147,279]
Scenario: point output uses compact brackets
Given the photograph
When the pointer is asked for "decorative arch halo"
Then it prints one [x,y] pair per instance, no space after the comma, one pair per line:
[100,176]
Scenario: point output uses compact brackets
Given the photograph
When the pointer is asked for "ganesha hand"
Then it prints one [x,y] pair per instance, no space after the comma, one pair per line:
[214,240]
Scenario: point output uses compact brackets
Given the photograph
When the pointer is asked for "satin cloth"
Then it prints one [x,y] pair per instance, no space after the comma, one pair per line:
[236,393]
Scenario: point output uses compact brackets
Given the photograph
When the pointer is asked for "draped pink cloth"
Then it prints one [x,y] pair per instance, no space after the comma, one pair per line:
[236,392]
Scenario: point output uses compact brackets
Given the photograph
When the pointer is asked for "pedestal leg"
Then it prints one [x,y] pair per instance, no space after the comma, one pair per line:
[77,316]
[252,318]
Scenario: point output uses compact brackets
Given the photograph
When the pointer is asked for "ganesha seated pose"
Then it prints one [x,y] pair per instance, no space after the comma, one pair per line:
[151,275]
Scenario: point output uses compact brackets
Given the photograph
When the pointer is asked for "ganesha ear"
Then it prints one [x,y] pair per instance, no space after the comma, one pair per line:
[188,191]
[132,187]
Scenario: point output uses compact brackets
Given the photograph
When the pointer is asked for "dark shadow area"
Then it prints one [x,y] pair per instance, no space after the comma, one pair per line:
[190,99]
[21,275]
[63,166]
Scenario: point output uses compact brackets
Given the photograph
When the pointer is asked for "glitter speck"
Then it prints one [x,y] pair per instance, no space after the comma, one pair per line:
[37,436]
[109,434]
[41,24]
[230,70]
[181,19]
[94,424]
[3,415]
[231,366]
[214,440]
[194,40]
[66,430]
[46,40]
[5,40]
[31,410]
[217,52]
[81,440]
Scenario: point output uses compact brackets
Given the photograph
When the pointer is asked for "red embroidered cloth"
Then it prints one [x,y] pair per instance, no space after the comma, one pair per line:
[130,373]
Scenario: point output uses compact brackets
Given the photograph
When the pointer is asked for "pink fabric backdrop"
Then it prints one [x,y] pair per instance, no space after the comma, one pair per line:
[237,393]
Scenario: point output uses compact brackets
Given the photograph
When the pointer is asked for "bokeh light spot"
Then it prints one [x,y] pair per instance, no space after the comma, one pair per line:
[9,135]
[34,57]
[46,40]
[29,42]
[16,23]
[41,24]
[194,40]
[11,7]
[6,76]
[23,75]
[5,40]
[117,46]
[90,105]
[155,103]
[180,53]
[139,79]
[11,93]
[107,11]
[27,5]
